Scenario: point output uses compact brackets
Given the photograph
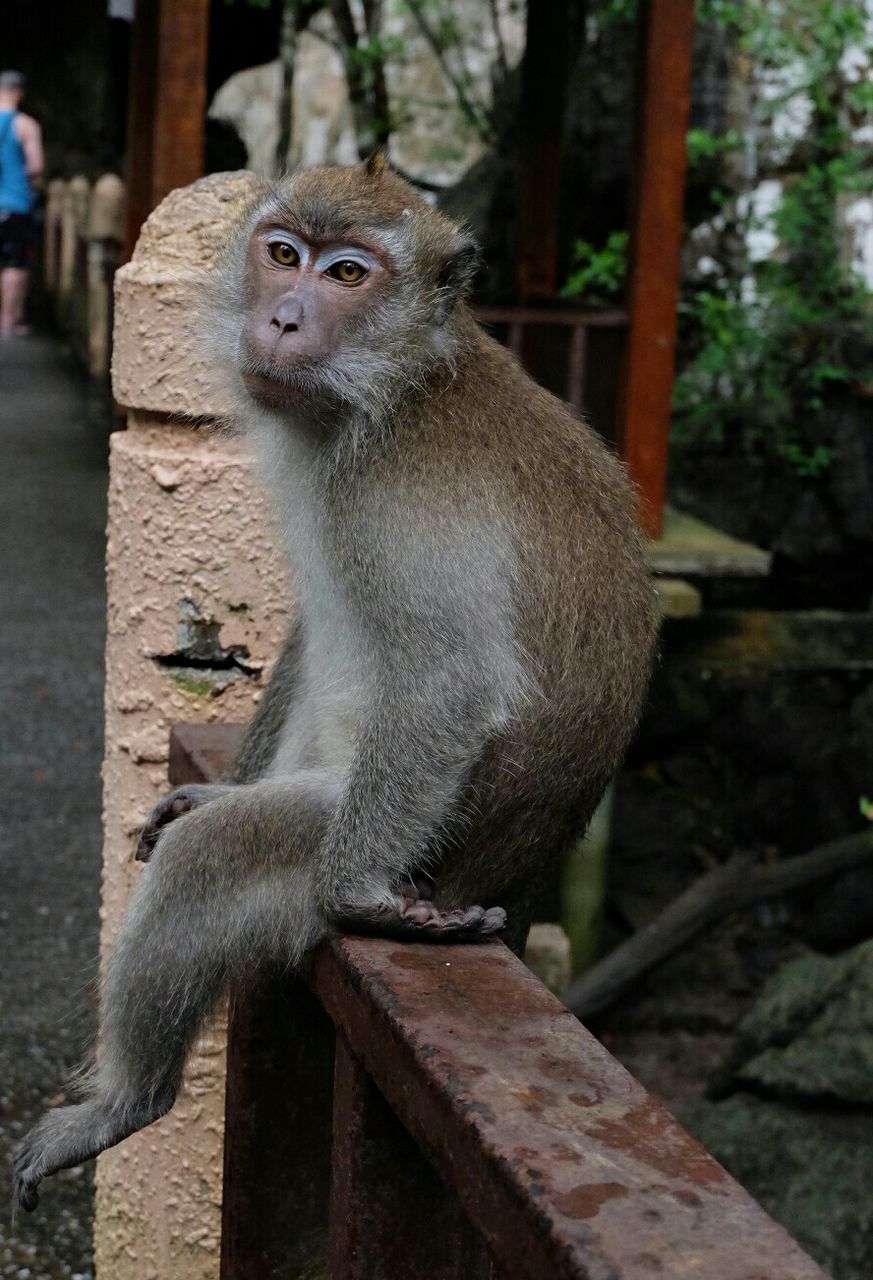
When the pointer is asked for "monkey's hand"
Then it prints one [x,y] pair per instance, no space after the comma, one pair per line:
[419,919]
[182,800]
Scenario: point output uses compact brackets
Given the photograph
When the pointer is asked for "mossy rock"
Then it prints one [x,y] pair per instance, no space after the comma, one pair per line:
[812,1172]
[810,1032]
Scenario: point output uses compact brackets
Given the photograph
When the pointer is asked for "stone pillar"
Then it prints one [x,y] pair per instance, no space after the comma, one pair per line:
[54,204]
[105,234]
[74,223]
[193,567]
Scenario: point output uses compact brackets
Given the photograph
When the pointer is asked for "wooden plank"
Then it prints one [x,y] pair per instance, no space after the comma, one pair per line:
[667,35]
[678,598]
[688,546]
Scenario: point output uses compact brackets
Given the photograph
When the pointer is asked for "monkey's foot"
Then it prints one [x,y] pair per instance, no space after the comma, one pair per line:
[68,1136]
[173,806]
[419,919]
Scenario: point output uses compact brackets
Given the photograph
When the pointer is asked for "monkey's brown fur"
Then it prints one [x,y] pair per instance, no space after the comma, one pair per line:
[473,640]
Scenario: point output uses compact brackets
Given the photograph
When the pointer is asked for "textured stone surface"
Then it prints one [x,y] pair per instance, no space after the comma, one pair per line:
[187,526]
[548,955]
[191,558]
[158,363]
[810,1032]
[811,1171]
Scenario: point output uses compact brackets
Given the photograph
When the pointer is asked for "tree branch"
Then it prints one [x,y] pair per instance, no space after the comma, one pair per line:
[736,884]
[287,51]
[478,118]
[369,101]
[502,60]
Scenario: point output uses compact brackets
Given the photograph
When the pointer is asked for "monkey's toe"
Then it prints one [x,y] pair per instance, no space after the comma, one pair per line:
[463,924]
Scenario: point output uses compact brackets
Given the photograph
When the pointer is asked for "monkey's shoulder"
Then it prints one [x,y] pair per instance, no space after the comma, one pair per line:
[494,419]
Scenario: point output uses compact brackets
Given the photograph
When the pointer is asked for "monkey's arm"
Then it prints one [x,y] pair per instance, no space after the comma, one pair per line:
[262,736]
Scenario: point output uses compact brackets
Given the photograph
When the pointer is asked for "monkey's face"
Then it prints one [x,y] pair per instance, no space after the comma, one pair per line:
[341,285]
[309,299]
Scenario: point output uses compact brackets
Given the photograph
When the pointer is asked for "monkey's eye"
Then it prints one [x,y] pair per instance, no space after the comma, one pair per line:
[283,253]
[347,271]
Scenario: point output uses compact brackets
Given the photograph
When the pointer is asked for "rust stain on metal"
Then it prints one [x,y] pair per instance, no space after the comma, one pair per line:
[585,1200]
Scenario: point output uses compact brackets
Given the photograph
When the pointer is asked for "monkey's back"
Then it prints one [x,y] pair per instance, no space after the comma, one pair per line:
[585,624]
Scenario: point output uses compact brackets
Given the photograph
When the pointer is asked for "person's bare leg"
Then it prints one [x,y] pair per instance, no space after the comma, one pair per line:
[13,290]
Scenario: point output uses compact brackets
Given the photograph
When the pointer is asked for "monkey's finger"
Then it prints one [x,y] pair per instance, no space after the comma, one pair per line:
[144,849]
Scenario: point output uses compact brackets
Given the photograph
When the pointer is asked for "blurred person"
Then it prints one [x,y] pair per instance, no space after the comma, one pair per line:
[21,166]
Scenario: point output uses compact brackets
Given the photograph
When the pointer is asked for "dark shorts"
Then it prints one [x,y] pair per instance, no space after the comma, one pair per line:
[16,239]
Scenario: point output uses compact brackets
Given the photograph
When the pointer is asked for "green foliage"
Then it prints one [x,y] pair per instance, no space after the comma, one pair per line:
[703,145]
[769,348]
[598,274]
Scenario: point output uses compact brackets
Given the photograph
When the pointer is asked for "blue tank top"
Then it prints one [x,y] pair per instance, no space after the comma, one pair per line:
[16,193]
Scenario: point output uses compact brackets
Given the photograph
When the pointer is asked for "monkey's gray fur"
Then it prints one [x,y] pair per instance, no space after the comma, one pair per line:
[473,637]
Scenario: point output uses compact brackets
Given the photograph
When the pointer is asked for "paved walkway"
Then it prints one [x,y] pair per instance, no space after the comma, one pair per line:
[52,517]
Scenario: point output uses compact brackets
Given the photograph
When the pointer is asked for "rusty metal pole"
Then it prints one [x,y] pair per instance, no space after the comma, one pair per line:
[391,1215]
[667,37]
[167,104]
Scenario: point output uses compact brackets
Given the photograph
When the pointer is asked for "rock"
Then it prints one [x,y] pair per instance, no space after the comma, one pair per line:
[811,1171]
[432,136]
[810,1032]
[548,956]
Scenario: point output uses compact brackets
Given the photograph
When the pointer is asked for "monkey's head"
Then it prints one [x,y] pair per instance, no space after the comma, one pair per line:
[343,283]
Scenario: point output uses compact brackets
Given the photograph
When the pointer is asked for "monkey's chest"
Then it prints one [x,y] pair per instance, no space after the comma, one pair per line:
[323,725]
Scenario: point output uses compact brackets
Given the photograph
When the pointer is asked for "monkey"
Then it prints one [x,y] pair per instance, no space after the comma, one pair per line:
[472,641]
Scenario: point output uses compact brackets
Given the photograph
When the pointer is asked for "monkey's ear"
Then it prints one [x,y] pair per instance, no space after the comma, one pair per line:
[377,163]
[456,276]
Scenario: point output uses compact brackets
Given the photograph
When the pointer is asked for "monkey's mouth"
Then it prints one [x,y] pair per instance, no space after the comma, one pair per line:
[273,383]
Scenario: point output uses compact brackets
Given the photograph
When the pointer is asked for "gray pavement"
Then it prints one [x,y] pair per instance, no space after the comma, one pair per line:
[52,519]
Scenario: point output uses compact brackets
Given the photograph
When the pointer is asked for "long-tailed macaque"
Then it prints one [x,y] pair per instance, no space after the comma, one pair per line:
[471,646]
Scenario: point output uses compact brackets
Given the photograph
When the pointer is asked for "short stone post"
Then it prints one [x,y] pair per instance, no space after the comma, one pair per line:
[191,562]
[51,251]
[105,234]
[74,221]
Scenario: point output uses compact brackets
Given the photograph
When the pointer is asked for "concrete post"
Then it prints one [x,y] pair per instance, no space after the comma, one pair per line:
[54,204]
[105,234]
[191,556]
[74,221]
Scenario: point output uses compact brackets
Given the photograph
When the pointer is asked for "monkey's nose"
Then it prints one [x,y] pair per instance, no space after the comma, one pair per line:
[287,316]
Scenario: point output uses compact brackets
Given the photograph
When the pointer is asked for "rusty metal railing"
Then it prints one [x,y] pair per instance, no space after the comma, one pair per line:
[517,321]
[414,1111]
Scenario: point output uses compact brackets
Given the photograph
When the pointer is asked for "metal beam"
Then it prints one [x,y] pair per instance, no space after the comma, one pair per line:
[667,37]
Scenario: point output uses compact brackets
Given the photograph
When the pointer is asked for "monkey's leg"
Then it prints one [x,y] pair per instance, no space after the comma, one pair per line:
[418,747]
[230,888]
[170,807]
